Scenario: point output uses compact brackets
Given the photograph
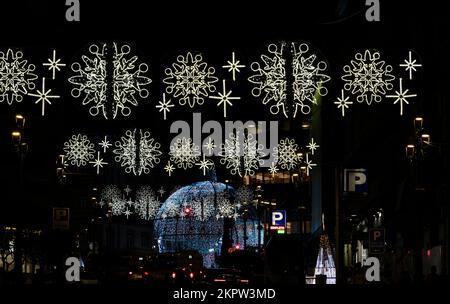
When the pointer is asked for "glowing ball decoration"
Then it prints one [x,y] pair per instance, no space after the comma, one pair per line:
[190,219]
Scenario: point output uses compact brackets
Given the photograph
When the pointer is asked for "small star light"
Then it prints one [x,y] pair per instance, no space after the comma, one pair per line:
[210,146]
[309,164]
[205,164]
[43,96]
[233,66]
[161,191]
[312,146]
[164,106]
[98,162]
[401,96]
[127,213]
[273,169]
[224,99]
[54,64]
[410,65]
[343,102]
[127,190]
[169,168]
[105,144]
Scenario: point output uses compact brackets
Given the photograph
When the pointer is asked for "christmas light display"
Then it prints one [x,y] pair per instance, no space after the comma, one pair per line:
[16,76]
[190,80]
[110,79]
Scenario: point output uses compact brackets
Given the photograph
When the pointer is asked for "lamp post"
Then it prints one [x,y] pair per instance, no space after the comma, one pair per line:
[415,152]
[21,147]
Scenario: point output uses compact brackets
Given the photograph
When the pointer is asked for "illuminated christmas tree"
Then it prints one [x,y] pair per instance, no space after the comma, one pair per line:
[325,261]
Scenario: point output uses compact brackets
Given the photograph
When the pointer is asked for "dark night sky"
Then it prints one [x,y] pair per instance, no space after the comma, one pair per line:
[372,137]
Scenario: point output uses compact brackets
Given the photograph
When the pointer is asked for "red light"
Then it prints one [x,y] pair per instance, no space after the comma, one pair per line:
[191,275]
[130,273]
[428,252]
[146,273]
[238,246]
[187,210]
[174,275]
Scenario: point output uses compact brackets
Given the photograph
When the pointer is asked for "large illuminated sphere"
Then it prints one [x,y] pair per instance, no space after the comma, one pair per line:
[190,219]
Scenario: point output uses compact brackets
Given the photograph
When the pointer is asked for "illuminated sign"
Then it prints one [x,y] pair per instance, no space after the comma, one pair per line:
[278,221]
[355,180]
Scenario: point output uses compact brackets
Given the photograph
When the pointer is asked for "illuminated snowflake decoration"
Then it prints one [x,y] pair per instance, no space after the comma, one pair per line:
[368,77]
[137,151]
[224,206]
[241,155]
[16,76]
[110,79]
[190,80]
[184,153]
[286,154]
[270,79]
[110,192]
[79,150]
[243,195]
[118,206]
[147,203]
[309,78]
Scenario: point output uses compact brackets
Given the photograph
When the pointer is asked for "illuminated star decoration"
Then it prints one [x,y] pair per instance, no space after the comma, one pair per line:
[127,213]
[161,191]
[343,102]
[98,163]
[210,146]
[312,146]
[401,96]
[105,144]
[43,96]
[169,168]
[164,106]
[273,169]
[309,164]
[54,64]
[410,65]
[233,66]
[224,99]
[205,164]
[127,190]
